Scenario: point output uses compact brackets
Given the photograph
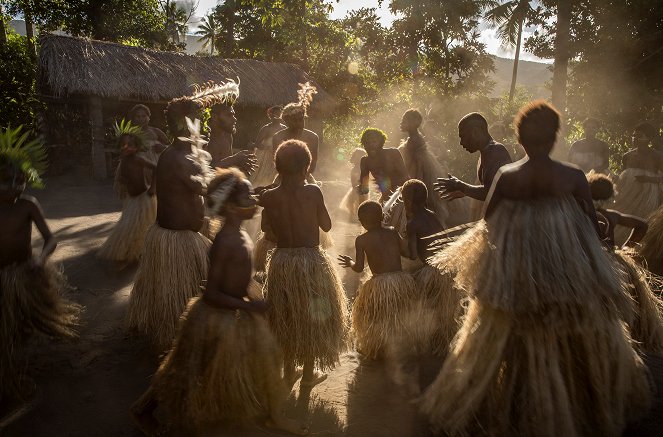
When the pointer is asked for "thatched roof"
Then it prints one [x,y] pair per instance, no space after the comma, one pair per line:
[80,66]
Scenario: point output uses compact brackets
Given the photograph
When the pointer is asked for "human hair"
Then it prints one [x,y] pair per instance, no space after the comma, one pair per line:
[175,112]
[646,128]
[414,115]
[275,111]
[139,107]
[370,211]
[478,119]
[415,190]
[600,185]
[537,124]
[292,157]
[373,131]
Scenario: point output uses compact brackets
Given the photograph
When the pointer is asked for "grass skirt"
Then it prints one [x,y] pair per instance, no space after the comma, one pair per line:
[31,301]
[266,172]
[351,201]
[125,243]
[261,251]
[422,165]
[542,350]
[308,311]
[652,243]
[171,271]
[635,198]
[646,322]
[379,312]
[211,227]
[442,308]
[224,366]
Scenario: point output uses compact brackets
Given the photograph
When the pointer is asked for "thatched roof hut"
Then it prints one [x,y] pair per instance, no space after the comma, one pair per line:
[102,73]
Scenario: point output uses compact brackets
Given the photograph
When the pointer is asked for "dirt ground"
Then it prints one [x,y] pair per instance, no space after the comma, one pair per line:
[85,387]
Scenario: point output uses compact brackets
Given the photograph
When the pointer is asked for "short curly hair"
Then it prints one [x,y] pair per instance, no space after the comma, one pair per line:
[416,190]
[176,110]
[292,157]
[373,131]
[537,124]
[370,210]
[600,185]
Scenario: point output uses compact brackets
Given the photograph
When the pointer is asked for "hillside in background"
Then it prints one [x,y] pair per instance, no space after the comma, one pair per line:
[533,76]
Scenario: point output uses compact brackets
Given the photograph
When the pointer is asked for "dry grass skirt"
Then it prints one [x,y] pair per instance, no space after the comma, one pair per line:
[211,227]
[542,350]
[261,251]
[225,366]
[266,172]
[652,243]
[442,308]
[32,301]
[646,321]
[308,313]
[125,243]
[635,198]
[423,165]
[171,271]
[351,201]
[379,313]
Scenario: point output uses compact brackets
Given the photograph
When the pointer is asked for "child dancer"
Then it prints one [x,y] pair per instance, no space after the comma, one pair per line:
[352,198]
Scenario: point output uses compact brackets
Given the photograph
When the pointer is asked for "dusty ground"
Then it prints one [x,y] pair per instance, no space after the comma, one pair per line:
[86,387]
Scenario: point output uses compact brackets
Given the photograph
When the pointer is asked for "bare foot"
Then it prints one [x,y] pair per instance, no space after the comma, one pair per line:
[147,423]
[291,379]
[287,425]
[316,379]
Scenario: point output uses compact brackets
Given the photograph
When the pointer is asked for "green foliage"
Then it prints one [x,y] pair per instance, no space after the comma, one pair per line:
[24,154]
[17,95]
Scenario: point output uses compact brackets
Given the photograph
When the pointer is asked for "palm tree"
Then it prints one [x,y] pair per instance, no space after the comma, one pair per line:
[509,17]
[209,31]
[176,20]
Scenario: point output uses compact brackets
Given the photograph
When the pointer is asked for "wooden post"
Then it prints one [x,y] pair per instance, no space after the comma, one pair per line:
[98,153]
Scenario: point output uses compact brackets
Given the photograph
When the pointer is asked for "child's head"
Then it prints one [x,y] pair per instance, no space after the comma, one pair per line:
[140,115]
[411,120]
[643,134]
[415,194]
[292,158]
[373,140]
[600,185]
[370,214]
[537,125]
[176,112]
[274,112]
[356,156]
[229,193]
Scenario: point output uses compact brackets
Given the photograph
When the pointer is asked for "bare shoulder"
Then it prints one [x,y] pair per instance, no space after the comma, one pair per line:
[28,201]
[279,136]
[310,135]
[391,151]
[312,190]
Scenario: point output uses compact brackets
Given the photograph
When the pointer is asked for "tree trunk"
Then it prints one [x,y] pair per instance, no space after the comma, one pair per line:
[560,68]
[97,152]
[514,75]
[29,28]
[3,33]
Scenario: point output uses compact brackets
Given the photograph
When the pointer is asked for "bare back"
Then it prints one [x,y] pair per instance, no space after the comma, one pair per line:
[266,134]
[387,168]
[132,172]
[296,214]
[16,229]
[179,200]
[423,224]
[309,137]
[230,263]
[382,249]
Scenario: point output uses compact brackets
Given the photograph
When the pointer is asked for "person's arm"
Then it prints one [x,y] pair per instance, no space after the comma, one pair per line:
[145,163]
[399,166]
[583,196]
[409,245]
[313,148]
[214,294]
[262,134]
[243,160]
[191,176]
[362,188]
[346,261]
[37,217]
[639,227]
[494,195]
[161,137]
[324,220]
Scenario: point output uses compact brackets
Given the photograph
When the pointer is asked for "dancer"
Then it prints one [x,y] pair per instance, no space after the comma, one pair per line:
[646,320]
[352,198]
[651,248]
[530,357]
[639,190]
[224,364]
[125,243]
[441,301]
[266,172]
[31,288]
[379,311]
[384,164]
[474,136]
[308,308]
[590,153]
[174,260]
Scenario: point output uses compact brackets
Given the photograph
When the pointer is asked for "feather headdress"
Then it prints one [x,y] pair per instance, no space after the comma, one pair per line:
[304,99]
[23,155]
[126,128]
[198,155]
[218,196]
[210,94]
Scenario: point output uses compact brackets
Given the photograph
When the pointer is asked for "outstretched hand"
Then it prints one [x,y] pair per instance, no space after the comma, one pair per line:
[345,261]
[449,188]
[245,160]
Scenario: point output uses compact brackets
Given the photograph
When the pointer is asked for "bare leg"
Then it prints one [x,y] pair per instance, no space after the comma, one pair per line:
[290,373]
[142,412]
[277,395]
[311,378]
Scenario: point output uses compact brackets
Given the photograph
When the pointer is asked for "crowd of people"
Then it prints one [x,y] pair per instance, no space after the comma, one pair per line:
[530,286]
